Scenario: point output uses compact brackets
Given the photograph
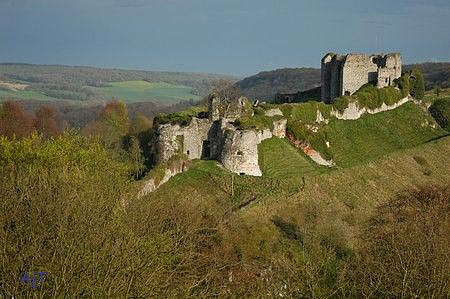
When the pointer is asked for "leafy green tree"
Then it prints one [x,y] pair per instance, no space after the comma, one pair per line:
[140,124]
[111,126]
[142,129]
[437,90]
[418,84]
[134,156]
[404,84]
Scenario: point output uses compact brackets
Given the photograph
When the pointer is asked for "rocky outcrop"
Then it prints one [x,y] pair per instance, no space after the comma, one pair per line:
[273,112]
[353,111]
[310,152]
[279,128]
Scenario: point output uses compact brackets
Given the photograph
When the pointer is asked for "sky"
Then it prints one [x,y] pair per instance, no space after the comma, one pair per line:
[236,37]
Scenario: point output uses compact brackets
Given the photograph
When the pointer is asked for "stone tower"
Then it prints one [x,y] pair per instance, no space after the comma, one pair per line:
[345,74]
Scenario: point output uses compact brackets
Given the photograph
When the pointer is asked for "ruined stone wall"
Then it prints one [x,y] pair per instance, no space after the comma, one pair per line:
[194,136]
[166,145]
[392,70]
[240,151]
[326,77]
[344,75]
[219,139]
[356,72]
[173,139]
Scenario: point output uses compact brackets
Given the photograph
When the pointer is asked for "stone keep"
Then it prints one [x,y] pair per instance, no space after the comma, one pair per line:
[345,74]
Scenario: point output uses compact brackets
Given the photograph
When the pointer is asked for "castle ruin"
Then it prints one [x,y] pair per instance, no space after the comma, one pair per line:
[345,74]
[217,138]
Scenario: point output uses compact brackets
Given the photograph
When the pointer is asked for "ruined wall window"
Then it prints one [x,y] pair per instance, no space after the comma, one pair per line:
[187,152]
[239,153]
[241,173]
[386,80]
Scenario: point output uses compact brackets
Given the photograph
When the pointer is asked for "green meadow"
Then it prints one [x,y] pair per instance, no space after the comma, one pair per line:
[127,91]
[143,91]
[24,95]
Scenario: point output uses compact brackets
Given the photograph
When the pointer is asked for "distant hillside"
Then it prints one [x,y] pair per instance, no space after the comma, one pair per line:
[436,73]
[290,80]
[265,85]
[47,82]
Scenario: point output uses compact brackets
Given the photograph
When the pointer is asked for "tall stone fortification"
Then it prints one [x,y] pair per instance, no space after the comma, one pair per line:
[345,74]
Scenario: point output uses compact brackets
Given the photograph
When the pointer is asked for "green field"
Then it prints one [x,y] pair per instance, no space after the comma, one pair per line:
[24,95]
[142,91]
[127,91]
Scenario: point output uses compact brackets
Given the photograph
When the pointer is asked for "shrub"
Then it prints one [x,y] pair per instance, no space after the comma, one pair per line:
[440,110]
[404,84]
[405,248]
[417,84]
[182,118]
[341,103]
[257,121]
[60,213]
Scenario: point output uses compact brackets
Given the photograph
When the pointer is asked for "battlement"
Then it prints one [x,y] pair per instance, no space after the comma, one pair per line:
[345,74]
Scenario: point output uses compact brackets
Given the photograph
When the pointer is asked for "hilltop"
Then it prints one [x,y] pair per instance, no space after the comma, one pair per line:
[300,229]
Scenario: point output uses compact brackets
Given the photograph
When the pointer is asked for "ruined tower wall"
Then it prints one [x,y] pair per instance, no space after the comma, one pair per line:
[343,75]
[326,78]
[336,79]
[240,151]
[355,72]
[167,144]
[193,137]
[392,70]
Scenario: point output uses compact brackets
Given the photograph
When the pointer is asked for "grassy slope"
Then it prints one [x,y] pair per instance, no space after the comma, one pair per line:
[358,189]
[209,183]
[353,144]
[334,206]
[372,136]
[349,194]
[278,159]
[141,91]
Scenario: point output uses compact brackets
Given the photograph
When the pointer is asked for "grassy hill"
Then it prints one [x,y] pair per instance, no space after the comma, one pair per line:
[299,230]
[352,144]
[290,80]
[372,136]
[307,232]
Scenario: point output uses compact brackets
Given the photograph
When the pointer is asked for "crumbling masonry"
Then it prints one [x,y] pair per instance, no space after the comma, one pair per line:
[216,138]
[345,74]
